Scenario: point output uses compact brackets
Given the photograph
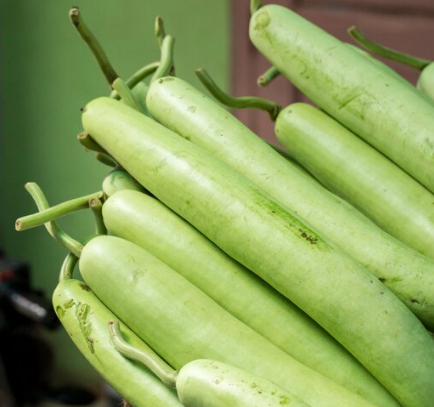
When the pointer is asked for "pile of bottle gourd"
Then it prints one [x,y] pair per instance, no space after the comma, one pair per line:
[227,272]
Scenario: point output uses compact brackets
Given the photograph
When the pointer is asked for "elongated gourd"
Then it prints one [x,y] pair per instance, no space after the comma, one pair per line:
[360,174]
[148,223]
[183,109]
[119,180]
[340,294]
[385,111]
[85,318]
[206,382]
[181,323]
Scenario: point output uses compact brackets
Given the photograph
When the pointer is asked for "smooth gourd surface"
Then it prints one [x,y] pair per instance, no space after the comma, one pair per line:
[194,116]
[181,323]
[341,295]
[148,223]
[388,113]
[360,174]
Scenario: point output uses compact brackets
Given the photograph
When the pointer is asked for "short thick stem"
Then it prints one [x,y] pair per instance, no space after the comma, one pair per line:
[68,266]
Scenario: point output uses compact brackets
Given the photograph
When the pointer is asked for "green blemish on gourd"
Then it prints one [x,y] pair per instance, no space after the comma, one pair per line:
[166,79]
[311,239]
[82,313]
[85,287]
[262,20]
[60,312]
[69,304]
[284,401]
[292,223]
[192,109]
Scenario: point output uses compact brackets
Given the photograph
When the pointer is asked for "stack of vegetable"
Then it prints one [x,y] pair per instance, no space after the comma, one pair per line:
[240,279]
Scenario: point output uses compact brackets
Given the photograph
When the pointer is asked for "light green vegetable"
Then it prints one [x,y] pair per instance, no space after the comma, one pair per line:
[120,180]
[402,269]
[385,111]
[182,324]
[148,223]
[340,294]
[85,318]
[358,173]
[207,382]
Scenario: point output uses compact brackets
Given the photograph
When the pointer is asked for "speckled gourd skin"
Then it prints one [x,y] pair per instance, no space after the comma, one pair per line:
[85,319]
[214,384]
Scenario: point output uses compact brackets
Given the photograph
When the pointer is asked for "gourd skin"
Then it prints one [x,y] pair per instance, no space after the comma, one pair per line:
[85,319]
[358,173]
[385,111]
[228,386]
[181,323]
[341,295]
[146,222]
[186,111]
[425,82]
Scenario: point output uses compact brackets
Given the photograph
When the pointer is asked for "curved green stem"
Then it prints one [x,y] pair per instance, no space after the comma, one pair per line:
[391,54]
[55,212]
[272,108]
[95,204]
[107,160]
[159,31]
[89,143]
[146,356]
[138,76]
[53,229]
[68,266]
[255,5]
[166,62]
[125,93]
[93,44]
[268,76]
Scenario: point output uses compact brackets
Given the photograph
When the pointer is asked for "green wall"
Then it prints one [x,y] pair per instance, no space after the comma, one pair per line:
[47,74]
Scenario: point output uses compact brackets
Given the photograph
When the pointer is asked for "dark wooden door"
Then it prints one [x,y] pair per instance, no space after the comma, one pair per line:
[407,25]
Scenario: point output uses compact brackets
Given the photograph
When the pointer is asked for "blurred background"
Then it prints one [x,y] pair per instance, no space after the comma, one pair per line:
[47,74]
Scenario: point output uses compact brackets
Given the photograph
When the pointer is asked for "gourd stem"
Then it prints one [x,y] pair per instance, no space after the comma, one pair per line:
[166,62]
[89,143]
[53,229]
[146,356]
[255,5]
[268,76]
[138,76]
[389,53]
[107,160]
[55,212]
[93,44]
[272,108]
[160,33]
[125,93]
[95,205]
[68,266]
